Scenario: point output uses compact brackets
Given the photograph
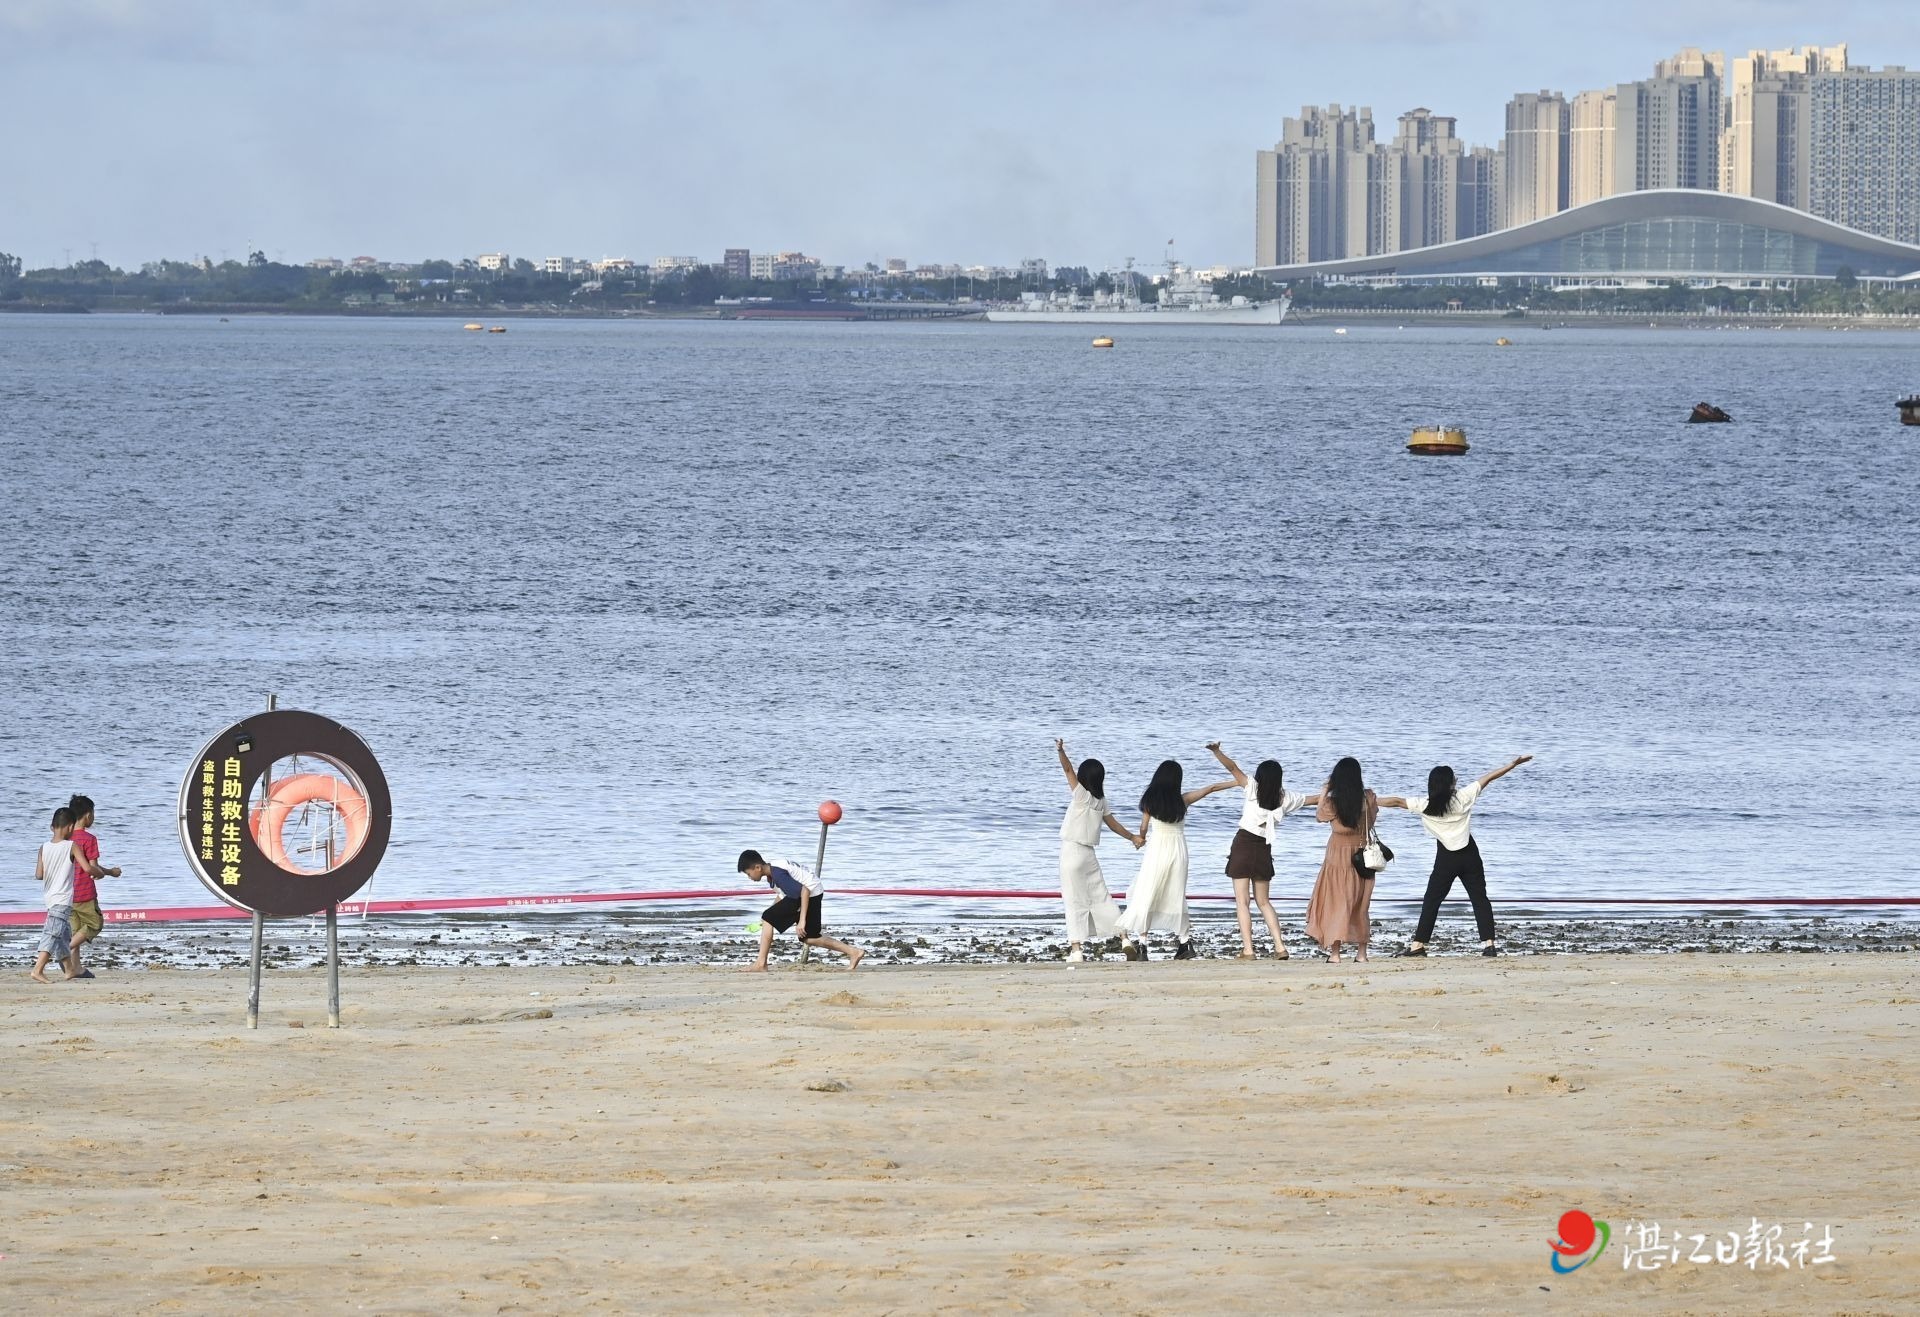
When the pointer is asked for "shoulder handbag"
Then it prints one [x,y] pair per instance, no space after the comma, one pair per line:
[1376,855]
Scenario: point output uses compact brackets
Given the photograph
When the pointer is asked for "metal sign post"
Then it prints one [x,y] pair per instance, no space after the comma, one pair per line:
[333,967]
[829,815]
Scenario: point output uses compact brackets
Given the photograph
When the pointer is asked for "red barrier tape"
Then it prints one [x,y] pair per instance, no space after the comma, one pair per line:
[172,914]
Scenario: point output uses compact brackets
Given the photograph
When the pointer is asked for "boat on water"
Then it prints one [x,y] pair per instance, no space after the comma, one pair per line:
[1184,300]
[1910,409]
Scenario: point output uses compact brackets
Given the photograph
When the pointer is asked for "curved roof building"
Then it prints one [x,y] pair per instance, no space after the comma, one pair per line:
[1674,233]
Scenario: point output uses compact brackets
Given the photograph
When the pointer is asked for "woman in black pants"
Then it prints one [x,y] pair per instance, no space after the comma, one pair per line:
[1446,811]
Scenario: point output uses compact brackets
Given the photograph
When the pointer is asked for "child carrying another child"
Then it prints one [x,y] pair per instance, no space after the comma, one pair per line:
[800,900]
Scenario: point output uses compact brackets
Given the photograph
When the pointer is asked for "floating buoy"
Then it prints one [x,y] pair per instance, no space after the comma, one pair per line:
[498,329]
[474,325]
[1341,330]
[1438,441]
[830,812]
[1103,342]
[1503,342]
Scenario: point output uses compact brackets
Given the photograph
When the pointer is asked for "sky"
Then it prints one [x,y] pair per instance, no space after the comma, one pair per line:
[854,130]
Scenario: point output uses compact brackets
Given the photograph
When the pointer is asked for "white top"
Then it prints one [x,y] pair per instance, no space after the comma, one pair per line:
[56,872]
[1261,822]
[1453,829]
[1084,817]
[800,873]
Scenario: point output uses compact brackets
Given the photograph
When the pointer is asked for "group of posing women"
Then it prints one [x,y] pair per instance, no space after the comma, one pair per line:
[1338,915]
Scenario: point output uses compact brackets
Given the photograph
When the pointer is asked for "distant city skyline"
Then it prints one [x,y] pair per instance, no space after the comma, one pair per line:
[980,133]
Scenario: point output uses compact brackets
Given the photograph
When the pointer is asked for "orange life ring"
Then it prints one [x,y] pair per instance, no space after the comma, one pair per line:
[270,820]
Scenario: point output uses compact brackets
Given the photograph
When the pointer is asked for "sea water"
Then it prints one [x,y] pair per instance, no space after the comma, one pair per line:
[612,600]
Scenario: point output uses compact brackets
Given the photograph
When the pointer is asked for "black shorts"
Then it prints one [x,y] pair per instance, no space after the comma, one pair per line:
[785,913]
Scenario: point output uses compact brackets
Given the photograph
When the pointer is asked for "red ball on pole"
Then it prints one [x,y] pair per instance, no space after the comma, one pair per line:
[829,812]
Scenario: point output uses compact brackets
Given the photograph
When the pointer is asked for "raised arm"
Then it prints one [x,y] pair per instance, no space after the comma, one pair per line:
[1066,764]
[1192,796]
[1501,772]
[1239,778]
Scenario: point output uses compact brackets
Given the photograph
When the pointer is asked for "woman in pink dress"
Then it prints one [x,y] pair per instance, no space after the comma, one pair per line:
[1338,914]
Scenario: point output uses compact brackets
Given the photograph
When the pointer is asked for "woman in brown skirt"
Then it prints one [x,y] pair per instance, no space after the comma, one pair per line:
[1250,861]
[1338,913]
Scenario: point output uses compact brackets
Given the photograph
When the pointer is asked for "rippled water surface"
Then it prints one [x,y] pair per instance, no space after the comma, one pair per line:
[612,600]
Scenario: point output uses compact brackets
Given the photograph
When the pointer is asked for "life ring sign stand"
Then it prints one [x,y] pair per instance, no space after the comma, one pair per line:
[234,814]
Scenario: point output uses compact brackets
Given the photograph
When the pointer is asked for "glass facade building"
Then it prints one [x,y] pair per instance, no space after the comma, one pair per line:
[1679,234]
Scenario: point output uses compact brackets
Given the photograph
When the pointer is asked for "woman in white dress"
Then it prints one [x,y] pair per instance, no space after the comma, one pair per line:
[1158,898]
[1091,912]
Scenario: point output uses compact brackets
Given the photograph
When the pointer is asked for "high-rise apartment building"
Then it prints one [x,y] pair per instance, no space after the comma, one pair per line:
[1764,102]
[1419,199]
[1536,157]
[1328,190]
[737,263]
[1863,150]
[1311,192]
[1590,126]
[1483,190]
[1667,128]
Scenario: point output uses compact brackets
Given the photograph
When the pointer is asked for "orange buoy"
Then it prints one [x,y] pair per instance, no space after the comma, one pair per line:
[830,812]
[270,820]
[1438,441]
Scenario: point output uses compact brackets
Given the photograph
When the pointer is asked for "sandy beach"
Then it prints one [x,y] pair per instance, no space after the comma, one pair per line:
[1161,1138]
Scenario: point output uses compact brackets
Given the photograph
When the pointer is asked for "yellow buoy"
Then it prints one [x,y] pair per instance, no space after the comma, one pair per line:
[1103,342]
[1438,441]
[1503,342]
[473,324]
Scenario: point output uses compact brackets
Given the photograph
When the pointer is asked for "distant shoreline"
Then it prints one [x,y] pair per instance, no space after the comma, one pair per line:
[1299,318]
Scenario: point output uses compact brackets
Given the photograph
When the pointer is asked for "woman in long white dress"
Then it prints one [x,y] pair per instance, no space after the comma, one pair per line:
[1092,915]
[1158,897]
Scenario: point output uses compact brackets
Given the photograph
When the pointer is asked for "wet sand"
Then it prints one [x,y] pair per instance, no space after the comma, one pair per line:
[625,938]
[1170,1137]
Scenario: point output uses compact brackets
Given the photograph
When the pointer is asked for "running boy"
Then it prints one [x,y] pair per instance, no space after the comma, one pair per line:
[800,899]
[86,867]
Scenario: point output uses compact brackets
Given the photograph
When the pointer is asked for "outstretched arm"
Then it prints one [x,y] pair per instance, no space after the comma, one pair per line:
[1239,778]
[1066,764]
[1499,773]
[1193,796]
[1392,802]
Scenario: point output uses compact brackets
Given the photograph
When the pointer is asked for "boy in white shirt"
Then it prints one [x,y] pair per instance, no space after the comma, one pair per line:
[801,893]
[53,870]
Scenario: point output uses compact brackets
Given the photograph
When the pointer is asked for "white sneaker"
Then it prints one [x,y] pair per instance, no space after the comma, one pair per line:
[1073,954]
